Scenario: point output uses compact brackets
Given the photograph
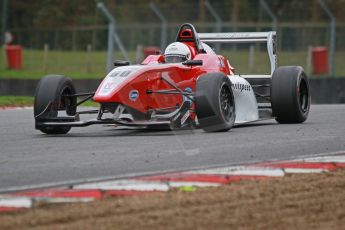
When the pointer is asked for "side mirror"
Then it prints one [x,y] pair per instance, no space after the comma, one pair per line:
[192,63]
[120,63]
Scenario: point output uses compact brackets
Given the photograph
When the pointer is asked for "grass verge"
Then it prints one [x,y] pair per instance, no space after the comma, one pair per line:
[16,101]
[29,101]
[83,65]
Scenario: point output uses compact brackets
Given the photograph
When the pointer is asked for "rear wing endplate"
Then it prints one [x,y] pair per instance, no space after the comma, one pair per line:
[246,37]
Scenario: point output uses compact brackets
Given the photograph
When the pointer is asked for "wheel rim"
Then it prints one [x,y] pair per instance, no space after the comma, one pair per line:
[303,96]
[226,102]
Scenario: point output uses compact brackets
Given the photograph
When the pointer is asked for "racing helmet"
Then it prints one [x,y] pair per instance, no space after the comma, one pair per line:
[177,52]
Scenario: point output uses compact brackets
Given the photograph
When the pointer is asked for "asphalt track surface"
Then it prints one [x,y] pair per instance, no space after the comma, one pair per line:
[31,159]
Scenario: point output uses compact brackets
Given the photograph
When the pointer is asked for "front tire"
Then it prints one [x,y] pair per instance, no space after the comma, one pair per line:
[290,96]
[214,102]
[49,98]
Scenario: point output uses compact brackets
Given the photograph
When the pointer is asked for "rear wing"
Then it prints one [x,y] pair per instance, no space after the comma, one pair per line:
[246,37]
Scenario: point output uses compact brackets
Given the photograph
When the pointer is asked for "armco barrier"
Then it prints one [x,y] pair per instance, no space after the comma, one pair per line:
[27,87]
[323,91]
[328,91]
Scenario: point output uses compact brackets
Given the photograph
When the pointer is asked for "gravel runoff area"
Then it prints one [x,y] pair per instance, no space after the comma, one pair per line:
[296,201]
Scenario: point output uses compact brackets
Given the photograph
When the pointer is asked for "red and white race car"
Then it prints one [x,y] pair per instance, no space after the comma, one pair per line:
[186,86]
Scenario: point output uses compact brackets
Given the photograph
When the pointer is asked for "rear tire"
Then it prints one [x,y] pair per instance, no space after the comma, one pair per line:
[214,102]
[290,97]
[49,92]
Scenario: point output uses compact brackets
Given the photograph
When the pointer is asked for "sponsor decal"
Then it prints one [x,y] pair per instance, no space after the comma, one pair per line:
[241,87]
[133,95]
[237,35]
[120,73]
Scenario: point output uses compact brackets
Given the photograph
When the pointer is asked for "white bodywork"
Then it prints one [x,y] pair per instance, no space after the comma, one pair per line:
[246,107]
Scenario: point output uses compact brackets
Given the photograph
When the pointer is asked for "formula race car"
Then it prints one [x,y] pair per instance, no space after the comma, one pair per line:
[187,86]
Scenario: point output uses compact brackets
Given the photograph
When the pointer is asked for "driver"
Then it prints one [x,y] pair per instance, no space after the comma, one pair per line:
[177,52]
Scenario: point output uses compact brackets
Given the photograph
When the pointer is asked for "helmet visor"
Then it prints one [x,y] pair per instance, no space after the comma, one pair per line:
[175,58]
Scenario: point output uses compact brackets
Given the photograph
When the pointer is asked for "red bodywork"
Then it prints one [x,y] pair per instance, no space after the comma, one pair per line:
[149,77]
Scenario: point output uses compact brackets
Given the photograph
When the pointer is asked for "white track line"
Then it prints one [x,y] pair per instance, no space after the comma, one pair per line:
[304,170]
[324,154]
[176,184]
[243,171]
[15,202]
[64,200]
[326,159]
[126,185]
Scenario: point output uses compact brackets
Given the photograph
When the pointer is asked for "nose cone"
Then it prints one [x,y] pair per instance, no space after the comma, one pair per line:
[114,81]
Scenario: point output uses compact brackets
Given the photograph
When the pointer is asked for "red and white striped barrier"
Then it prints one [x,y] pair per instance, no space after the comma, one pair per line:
[189,180]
